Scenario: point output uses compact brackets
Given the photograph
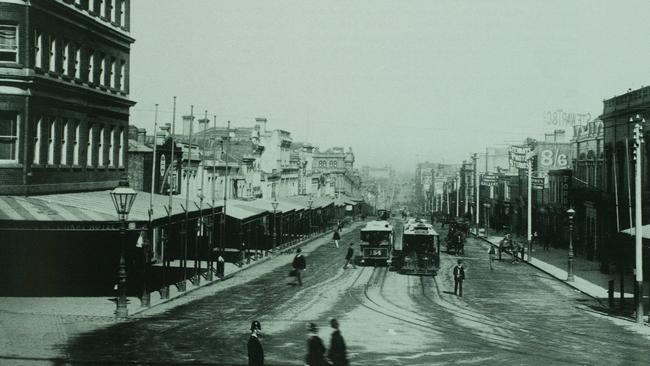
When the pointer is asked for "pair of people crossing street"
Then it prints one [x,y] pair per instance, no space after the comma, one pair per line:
[317,355]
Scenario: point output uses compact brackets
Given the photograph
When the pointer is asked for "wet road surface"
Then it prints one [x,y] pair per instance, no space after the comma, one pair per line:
[512,315]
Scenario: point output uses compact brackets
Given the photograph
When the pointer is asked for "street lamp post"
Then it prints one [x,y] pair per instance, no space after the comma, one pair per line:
[310,203]
[571,212]
[123,197]
[275,228]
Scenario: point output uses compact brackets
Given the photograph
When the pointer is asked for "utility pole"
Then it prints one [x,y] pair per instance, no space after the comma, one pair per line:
[457,194]
[638,228]
[164,292]
[529,225]
[201,228]
[477,200]
[188,172]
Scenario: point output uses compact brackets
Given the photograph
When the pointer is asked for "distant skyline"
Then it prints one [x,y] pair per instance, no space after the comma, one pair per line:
[399,82]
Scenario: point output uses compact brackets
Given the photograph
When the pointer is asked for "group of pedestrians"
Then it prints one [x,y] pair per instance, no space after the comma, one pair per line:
[317,354]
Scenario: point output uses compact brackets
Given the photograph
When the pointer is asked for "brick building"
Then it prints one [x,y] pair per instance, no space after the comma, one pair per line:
[64,86]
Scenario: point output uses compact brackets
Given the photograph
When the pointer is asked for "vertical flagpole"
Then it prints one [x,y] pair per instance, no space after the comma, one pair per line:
[457,195]
[638,225]
[618,220]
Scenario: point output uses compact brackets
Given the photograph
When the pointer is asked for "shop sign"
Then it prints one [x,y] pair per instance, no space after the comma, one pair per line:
[537,183]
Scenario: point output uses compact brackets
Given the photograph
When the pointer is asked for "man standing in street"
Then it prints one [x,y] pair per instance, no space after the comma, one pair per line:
[255,350]
[459,277]
[299,265]
[349,257]
[315,347]
[337,352]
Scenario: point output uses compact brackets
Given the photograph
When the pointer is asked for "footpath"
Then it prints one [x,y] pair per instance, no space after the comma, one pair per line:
[33,328]
[588,278]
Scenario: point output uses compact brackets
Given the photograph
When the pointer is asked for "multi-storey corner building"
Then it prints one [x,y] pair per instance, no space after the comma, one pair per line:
[64,88]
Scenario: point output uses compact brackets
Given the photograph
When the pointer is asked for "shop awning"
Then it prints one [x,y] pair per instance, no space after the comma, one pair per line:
[265,204]
[317,202]
[239,210]
[85,207]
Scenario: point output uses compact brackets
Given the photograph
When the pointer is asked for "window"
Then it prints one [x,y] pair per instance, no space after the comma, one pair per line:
[333,163]
[90,77]
[102,9]
[50,142]
[64,144]
[100,148]
[8,43]
[111,147]
[122,70]
[64,59]
[52,55]
[100,78]
[90,146]
[120,151]
[122,13]
[77,58]
[8,137]
[91,6]
[113,73]
[37,142]
[38,50]
[322,163]
[74,139]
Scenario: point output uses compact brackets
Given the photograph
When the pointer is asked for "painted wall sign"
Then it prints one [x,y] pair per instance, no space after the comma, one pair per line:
[560,118]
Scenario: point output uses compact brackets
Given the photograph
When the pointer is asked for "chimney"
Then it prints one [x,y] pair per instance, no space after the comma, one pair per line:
[261,124]
[142,133]
[203,124]
[133,132]
[187,122]
[166,130]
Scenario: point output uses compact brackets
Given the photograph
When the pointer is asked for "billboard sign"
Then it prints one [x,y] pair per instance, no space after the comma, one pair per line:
[519,156]
[489,180]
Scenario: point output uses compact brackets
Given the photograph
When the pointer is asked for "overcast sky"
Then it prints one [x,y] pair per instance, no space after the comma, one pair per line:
[398,81]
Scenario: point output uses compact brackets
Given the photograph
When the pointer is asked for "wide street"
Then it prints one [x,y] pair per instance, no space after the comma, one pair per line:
[511,315]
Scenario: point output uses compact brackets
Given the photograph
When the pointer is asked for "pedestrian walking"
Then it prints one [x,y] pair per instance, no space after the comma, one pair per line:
[336,238]
[255,350]
[459,277]
[491,254]
[349,257]
[337,353]
[315,347]
[299,265]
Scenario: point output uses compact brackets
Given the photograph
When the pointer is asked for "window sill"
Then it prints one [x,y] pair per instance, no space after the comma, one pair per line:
[66,77]
[78,81]
[53,74]
[4,164]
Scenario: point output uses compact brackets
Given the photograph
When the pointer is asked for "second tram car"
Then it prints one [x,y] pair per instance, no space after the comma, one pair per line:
[420,252]
[377,242]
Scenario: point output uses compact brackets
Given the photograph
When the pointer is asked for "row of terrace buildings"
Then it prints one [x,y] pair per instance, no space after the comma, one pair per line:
[591,172]
[66,142]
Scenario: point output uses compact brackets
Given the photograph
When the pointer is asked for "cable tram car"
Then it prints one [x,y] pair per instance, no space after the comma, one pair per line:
[376,242]
[420,252]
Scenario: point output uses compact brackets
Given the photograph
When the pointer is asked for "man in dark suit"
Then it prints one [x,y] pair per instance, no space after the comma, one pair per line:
[337,352]
[459,277]
[299,265]
[255,350]
[349,257]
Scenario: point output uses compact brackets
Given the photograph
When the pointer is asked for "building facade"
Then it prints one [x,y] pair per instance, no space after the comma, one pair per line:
[64,81]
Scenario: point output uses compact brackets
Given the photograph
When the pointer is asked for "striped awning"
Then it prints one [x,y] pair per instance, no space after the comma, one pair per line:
[89,207]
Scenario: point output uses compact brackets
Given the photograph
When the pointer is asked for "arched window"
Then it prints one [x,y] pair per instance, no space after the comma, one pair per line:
[100,76]
[120,150]
[122,13]
[50,146]
[74,140]
[64,143]
[100,147]
[77,64]
[122,86]
[37,142]
[111,146]
[90,146]
[64,59]
[102,9]
[113,74]
[90,77]
[38,50]
[52,55]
